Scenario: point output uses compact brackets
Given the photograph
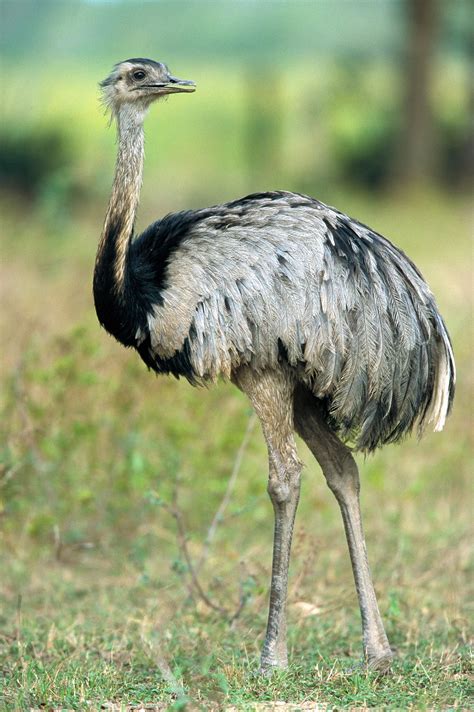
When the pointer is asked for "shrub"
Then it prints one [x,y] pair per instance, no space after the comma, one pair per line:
[32,157]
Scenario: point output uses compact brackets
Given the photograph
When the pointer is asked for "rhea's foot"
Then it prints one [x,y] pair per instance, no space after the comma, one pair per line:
[267,669]
[273,659]
[381,665]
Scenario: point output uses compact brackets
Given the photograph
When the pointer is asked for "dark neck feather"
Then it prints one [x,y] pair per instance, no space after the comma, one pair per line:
[120,217]
[111,267]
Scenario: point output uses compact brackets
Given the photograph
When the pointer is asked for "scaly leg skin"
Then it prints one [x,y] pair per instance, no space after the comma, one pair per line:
[377,650]
[340,471]
[271,394]
[283,488]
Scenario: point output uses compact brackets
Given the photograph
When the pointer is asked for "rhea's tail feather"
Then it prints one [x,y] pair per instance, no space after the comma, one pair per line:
[420,395]
[444,381]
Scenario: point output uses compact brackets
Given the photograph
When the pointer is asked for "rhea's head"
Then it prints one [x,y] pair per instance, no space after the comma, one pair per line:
[136,83]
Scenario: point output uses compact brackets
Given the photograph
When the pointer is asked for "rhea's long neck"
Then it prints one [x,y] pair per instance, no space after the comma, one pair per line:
[119,221]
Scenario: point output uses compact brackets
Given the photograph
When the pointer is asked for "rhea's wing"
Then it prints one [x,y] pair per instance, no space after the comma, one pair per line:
[236,285]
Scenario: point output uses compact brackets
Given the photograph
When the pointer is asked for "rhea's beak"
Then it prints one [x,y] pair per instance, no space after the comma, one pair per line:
[174,85]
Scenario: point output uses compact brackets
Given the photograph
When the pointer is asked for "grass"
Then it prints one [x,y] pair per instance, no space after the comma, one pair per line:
[80,644]
[95,588]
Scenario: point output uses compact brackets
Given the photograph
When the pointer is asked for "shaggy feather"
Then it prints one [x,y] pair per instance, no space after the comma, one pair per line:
[345,308]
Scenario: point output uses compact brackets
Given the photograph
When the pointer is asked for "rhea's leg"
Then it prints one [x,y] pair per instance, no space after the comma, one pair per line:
[271,394]
[340,471]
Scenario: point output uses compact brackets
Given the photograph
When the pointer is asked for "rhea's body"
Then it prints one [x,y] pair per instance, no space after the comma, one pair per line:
[280,277]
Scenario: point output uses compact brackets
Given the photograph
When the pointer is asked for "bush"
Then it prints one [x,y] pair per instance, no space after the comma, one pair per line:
[456,148]
[364,143]
[33,157]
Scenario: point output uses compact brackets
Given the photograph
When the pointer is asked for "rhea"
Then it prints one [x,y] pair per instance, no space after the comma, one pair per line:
[329,329]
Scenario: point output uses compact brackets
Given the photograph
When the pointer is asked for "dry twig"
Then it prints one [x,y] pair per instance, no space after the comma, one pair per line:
[194,585]
[218,516]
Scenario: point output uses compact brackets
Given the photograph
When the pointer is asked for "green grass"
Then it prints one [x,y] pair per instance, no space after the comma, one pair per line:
[95,602]
[75,644]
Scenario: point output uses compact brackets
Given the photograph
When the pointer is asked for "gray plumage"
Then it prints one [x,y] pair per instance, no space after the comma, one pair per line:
[281,276]
[329,329]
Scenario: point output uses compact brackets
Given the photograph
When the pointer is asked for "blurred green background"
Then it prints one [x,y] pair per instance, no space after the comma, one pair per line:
[367,105]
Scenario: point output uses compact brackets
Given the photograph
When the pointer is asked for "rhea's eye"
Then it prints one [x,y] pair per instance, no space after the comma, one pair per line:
[139,74]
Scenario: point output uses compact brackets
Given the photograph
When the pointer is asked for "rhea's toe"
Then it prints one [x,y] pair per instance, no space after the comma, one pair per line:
[381,664]
[271,664]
